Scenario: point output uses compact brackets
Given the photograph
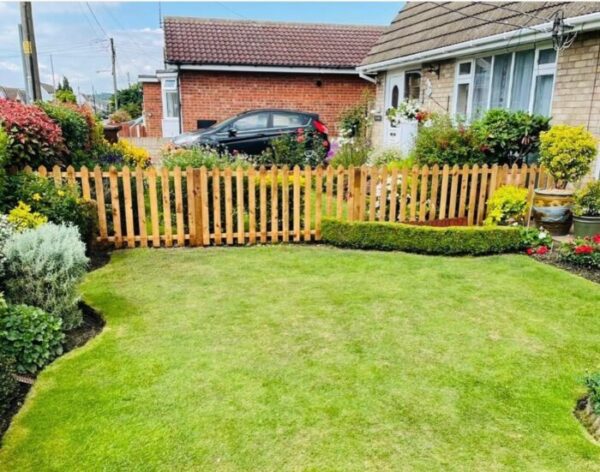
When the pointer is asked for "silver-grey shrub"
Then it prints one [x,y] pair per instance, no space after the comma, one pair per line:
[43,267]
[6,231]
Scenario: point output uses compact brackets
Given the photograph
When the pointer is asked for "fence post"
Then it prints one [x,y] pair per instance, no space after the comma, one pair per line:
[357,194]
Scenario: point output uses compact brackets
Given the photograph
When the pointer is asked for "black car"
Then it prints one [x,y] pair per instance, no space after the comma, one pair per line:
[250,132]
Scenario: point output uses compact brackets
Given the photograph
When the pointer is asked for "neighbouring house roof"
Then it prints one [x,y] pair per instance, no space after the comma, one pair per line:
[424,26]
[196,41]
[48,88]
[12,93]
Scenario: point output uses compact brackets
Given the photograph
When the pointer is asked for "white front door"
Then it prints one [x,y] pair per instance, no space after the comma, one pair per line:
[170,101]
[400,135]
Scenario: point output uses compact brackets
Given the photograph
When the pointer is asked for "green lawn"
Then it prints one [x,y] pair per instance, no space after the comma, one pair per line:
[312,358]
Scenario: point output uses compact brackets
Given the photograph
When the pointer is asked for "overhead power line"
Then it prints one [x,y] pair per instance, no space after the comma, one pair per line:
[96,19]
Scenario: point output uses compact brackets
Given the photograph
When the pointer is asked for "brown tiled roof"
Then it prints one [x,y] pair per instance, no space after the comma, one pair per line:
[224,42]
[422,26]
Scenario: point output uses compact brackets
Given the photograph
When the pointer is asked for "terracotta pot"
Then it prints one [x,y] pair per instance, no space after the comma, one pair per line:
[552,210]
[586,225]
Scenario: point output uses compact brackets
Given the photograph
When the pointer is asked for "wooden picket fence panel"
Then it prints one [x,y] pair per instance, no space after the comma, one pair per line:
[199,207]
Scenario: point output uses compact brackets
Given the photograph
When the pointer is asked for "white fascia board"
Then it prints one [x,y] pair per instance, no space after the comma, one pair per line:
[298,70]
[166,75]
[144,79]
[511,38]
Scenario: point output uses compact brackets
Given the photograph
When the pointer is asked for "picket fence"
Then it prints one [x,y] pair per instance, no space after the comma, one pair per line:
[200,207]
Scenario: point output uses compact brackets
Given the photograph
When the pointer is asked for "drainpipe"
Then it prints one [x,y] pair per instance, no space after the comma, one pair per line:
[179,98]
[368,78]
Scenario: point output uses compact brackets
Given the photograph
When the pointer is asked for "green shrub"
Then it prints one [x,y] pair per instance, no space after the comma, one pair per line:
[444,142]
[120,116]
[535,239]
[65,96]
[592,383]
[587,200]
[58,204]
[472,240]
[6,231]
[510,136]
[508,205]
[30,336]
[386,156]
[72,123]
[351,154]
[303,148]
[567,152]
[3,162]
[202,156]
[355,121]
[43,268]
[9,387]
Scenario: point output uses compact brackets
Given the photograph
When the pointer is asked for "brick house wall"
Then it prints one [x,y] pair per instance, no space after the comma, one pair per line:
[152,107]
[576,99]
[576,96]
[220,95]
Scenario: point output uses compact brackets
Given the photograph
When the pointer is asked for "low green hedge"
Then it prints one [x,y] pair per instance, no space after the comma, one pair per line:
[423,239]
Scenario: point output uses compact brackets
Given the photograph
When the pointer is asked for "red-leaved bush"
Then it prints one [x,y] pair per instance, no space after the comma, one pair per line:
[34,139]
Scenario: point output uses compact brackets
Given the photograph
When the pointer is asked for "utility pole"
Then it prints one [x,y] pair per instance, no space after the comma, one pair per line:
[52,70]
[29,51]
[113,57]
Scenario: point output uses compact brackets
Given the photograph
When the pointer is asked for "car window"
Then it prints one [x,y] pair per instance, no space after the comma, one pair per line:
[251,122]
[284,120]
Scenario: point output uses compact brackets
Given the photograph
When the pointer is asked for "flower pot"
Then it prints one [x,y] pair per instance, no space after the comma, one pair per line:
[552,210]
[586,225]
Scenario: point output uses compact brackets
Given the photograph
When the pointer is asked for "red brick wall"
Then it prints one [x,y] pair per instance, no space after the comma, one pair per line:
[219,95]
[152,109]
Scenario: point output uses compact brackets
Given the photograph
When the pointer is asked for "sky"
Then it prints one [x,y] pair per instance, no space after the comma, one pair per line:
[72,36]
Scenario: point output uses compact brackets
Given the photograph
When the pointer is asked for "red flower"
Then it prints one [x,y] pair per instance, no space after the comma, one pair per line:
[529,251]
[584,249]
[596,238]
[542,250]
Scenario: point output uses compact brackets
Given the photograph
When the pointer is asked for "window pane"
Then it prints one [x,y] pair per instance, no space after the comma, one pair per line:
[481,85]
[283,120]
[462,99]
[547,56]
[395,96]
[543,94]
[464,68]
[254,121]
[521,85]
[169,84]
[412,85]
[500,81]
[172,101]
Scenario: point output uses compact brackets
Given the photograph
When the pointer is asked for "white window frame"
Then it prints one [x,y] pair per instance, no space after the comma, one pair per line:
[538,70]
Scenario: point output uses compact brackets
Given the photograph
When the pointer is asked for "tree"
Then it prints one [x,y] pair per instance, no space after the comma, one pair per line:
[130,100]
[65,85]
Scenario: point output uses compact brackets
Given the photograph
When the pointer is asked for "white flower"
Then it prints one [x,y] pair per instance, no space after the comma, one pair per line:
[542,235]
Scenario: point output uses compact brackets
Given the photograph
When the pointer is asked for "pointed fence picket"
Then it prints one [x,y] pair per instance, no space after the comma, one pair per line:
[200,207]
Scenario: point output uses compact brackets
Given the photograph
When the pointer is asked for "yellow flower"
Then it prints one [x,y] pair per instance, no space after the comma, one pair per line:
[61,193]
[37,197]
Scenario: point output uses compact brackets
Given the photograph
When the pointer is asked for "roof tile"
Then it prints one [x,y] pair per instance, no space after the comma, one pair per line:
[224,42]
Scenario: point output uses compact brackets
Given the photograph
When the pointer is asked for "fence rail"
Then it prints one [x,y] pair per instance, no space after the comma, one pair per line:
[200,207]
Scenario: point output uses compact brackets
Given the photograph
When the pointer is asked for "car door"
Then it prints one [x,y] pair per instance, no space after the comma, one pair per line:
[247,134]
[284,122]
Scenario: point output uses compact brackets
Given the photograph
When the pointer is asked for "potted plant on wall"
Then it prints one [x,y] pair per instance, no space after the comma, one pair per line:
[566,153]
[587,210]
